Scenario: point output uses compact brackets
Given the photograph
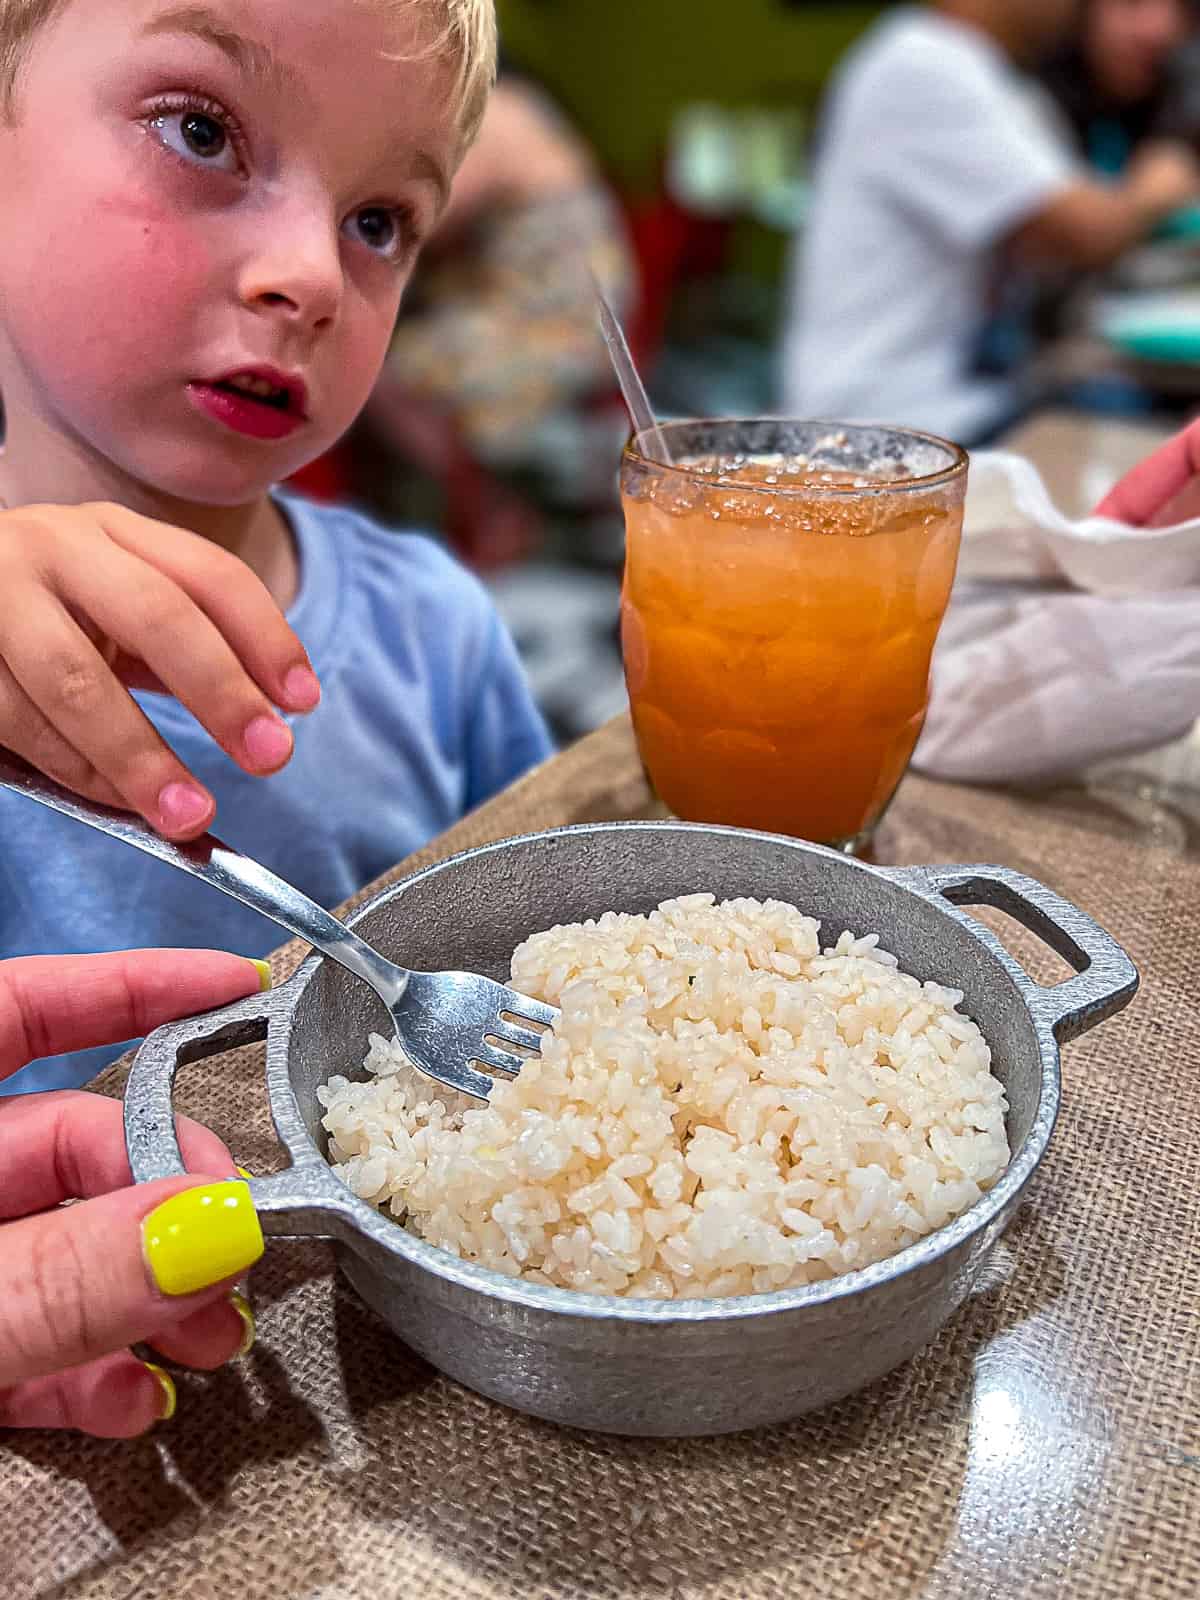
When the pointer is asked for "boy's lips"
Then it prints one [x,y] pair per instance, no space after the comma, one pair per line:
[261,402]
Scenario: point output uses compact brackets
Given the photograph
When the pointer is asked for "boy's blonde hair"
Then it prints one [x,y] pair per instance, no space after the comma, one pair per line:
[468,31]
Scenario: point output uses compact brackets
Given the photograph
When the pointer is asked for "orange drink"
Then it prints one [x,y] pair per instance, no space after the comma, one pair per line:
[784,586]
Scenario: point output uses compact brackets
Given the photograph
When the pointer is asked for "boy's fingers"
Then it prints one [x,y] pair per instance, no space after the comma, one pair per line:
[115,1397]
[30,734]
[236,601]
[135,674]
[82,1281]
[150,617]
[70,683]
[104,600]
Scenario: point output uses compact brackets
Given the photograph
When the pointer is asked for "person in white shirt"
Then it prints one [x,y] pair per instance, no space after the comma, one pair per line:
[936,176]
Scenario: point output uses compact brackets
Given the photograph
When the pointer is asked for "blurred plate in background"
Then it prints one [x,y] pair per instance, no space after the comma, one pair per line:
[1154,327]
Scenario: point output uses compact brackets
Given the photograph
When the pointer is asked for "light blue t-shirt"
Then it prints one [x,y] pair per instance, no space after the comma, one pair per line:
[425,712]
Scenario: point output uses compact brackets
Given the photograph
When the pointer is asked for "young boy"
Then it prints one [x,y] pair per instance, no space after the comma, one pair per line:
[208,213]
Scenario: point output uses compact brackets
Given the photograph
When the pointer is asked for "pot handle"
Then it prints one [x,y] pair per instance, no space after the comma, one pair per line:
[1106,979]
[304,1200]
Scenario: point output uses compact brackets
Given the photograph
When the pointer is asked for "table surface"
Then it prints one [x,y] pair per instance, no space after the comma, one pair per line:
[1047,1444]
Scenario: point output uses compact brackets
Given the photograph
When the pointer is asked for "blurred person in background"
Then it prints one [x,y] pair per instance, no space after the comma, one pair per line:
[496,360]
[941,188]
[1128,76]
[1113,81]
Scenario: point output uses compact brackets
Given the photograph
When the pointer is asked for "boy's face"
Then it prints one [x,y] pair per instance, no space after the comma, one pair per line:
[196,192]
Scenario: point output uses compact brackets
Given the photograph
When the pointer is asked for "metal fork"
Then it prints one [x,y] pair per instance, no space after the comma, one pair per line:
[443,1020]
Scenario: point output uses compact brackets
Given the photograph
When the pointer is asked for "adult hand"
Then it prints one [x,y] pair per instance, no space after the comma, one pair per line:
[1161,490]
[154,1263]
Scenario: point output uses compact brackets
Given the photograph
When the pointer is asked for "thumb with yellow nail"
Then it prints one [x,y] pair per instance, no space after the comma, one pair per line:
[154,1264]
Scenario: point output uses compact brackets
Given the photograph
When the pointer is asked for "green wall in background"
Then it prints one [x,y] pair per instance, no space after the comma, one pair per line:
[621,68]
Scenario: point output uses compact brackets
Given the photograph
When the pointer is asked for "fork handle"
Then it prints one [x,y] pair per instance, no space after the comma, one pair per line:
[224,868]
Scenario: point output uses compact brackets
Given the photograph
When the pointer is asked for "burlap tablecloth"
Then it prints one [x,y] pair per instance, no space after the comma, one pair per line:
[1047,1444]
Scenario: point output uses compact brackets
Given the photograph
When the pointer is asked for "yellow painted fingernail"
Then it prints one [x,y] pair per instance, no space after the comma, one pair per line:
[202,1236]
[249,1327]
[167,1384]
[263,969]
[242,1173]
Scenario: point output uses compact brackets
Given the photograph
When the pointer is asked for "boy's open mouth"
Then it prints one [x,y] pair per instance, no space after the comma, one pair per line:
[257,389]
[266,387]
[259,401]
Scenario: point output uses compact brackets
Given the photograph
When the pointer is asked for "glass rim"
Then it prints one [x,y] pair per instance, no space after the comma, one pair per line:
[922,482]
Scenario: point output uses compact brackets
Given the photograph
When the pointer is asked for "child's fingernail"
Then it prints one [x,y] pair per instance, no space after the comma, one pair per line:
[263,968]
[242,1173]
[167,1384]
[183,805]
[302,687]
[249,1328]
[202,1236]
[268,742]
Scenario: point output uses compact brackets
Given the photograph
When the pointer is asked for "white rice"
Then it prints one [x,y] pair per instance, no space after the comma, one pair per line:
[723,1109]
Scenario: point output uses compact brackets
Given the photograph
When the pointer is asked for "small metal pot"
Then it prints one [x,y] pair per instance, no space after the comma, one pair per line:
[636,1366]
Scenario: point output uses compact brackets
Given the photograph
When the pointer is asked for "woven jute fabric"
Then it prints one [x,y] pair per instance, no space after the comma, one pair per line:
[1046,1445]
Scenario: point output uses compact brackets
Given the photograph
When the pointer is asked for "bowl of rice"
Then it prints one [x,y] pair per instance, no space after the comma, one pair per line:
[790,1105]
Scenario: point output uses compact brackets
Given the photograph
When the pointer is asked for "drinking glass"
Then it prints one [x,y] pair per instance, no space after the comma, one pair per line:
[784,585]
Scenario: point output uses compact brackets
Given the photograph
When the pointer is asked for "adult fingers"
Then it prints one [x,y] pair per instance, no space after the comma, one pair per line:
[1181,507]
[118,1396]
[51,1004]
[70,1145]
[209,1337]
[85,1280]
[114,1397]
[1143,493]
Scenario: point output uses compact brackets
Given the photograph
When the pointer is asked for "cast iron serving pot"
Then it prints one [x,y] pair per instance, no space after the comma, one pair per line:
[668,1367]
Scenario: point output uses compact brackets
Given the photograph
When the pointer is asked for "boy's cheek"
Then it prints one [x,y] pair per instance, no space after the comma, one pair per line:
[163,264]
[116,250]
[355,360]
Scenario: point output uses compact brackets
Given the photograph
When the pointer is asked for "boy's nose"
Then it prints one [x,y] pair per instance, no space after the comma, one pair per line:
[298,278]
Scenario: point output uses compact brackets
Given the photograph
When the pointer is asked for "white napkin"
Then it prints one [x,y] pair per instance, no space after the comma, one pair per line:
[1010,516]
[1066,642]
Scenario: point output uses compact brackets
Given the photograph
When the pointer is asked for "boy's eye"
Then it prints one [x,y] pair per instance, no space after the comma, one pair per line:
[198,137]
[381,229]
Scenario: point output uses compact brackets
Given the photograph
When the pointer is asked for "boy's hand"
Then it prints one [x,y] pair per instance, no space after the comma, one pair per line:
[96,600]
